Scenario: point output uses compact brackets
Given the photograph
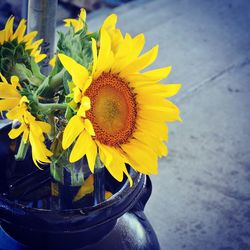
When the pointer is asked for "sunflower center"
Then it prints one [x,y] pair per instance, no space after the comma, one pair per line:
[113,109]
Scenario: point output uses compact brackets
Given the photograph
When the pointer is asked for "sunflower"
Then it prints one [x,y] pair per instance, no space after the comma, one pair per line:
[32,131]
[122,113]
[77,24]
[15,46]
[12,101]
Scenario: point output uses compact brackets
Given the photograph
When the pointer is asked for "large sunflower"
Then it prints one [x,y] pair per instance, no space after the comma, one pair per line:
[122,113]
[18,47]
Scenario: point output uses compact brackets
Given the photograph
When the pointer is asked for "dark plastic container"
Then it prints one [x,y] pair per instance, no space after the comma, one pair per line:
[28,222]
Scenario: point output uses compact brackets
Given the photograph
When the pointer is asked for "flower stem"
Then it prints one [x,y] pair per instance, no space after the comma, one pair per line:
[51,85]
[99,182]
[22,151]
[52,133]
[48,108]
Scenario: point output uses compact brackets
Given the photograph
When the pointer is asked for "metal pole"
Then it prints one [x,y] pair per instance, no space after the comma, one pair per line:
[42,18]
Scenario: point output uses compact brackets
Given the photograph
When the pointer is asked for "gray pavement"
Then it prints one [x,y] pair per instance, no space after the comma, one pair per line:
[201,197]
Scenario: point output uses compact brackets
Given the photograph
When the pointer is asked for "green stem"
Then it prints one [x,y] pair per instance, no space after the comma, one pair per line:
[22,151]
[99,182]
[98,164]
[52,134]
[51,85]
[57,80]
[48,108]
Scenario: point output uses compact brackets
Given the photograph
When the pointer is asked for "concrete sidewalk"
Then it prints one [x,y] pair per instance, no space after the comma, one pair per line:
[201,197]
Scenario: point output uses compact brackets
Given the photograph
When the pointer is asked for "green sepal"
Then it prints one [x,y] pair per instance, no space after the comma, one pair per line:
[5,66]
[5,52]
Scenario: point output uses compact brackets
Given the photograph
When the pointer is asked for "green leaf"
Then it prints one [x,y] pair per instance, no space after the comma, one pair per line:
[36,70]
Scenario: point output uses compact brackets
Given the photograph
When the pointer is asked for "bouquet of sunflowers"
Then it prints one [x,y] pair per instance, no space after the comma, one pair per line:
[97,104]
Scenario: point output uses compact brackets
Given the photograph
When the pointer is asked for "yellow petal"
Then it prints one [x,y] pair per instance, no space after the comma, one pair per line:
[15,132]
[156,129]
[108,195]
[160,104]
[40,153]
[163,150]
[35,45]
[9,28]
[78,72]
[9,92]
[15,113]
[163,90]
[67,22]
[142,62]
[3,79]
[77,94]
[87,84]
[124,54]
[155,143]
[128,176]
[110,22]
[89,127]
[82,15]
[24,99]
[80,147]
[29,37]
[52,61]
[8,104]
[138,44]
[72,130]
[141,157]
[2,34]
[116,38]
[19,33]
[113,162]
[39,58]
[25,136]
[85,105]
[15,82]
[104,53]
[91,154]
[86,188]
[45,127]
[168,113]
[158,74]
[105,157]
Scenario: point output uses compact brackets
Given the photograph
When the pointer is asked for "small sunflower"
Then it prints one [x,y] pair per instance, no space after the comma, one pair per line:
[31,130]
[122,113]
[12,101]
[77,24]
[16,46]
